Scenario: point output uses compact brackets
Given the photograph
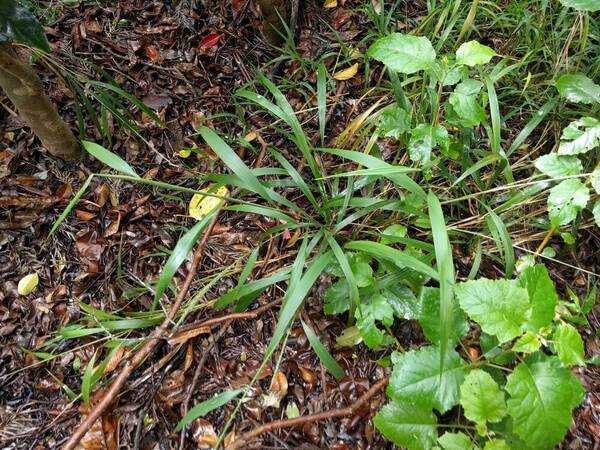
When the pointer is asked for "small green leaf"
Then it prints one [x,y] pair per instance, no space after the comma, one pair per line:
[404,302]
[395,230]
[528,343]
[455,441]
[424,138]
[542,296]
[363,273]
[407,426]
[596,212]
[569,345]
[566,199]
[337,298]
[482,399]
[473,53]
[324,356]
[580,136]
[109,158]
[203,408]
[17,24]
[403,53]
[465,104]
[374,310]
[393,122]
[542,396]
[582,5]
[501,307]
[556,166]
[578,88]
[28,284]
[595,179]
[416,378]
[496,444]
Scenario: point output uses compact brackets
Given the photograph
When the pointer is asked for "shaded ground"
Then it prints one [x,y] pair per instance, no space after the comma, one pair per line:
[184,63]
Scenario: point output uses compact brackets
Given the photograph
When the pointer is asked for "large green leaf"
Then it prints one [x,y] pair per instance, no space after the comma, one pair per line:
[473,53]
[403,53]
[417,379]
[17,24]
[566,199]
[429,318]
[542,396]
[542,296]
[496,444]
[482,400]
[582,5]
[580,136]
[569,345]
[578,88]
[407,426]
[556,166]
[465,104]
[500,307]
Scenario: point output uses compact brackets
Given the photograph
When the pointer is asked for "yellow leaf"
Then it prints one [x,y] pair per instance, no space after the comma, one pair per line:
[28,284]
[330,4]
[346,74]
[202,205]
[250,136]
[185,153]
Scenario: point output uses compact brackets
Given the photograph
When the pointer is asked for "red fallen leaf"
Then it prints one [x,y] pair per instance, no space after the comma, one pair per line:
[64,192]
[210,40]
[236,5]
[152,53]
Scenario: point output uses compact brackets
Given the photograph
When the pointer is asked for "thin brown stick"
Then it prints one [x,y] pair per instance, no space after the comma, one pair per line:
[244,439]
[147,348]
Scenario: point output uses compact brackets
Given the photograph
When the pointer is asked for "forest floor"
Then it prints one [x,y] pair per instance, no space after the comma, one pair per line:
[185,64]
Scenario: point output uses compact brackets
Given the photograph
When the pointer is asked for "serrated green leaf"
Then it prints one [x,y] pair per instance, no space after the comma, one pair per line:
[393,122]
[404,302]
[565,200]
[455,441]
[542,296]
[580,136]
[363,273]
[465,104]
[482,399]
[473,53]
[500,307]
[416,378]
[582,5]
[528,343]
[17,24]
[555,166]
[403,53]
[596,212]
[407,426]
[424,138]
[569,345]
[337,298]
[578,88]
[429,318]
[496,444]
[542,396]
[374,310]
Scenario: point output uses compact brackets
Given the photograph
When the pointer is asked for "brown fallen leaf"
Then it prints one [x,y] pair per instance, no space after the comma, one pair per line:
[277,391]
[173,389]
[84,215]
[185,335]
[204,433]
[103,435]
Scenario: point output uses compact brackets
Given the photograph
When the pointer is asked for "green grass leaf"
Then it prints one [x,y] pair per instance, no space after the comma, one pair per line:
[407,426]
[322,100]
[416,378]
[324,356]
[109,158]
[542,396]
[500,307]
[482,400]
[71,205]
[203,408]
[582,5]
[86,381]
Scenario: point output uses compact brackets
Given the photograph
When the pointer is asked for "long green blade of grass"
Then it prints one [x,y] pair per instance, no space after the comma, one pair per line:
[203,408]
[71,205]
[322,100]
[445,265]
[324,356]
[109,158]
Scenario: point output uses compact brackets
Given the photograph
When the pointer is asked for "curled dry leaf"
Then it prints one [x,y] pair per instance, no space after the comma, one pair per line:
[278,390]
[186,335]
[84,215]
[28,284]
[329,4]
[204,433]
[308,375]
[115,360]
[103,435]
[346,74]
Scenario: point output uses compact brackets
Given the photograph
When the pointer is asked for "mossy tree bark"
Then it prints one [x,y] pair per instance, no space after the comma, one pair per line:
[24,89]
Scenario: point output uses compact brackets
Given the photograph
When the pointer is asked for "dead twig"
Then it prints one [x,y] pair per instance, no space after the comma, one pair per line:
[244,439]
[146,349]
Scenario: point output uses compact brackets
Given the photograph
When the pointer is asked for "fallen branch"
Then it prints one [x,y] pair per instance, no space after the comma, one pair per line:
[244,439]
[154,338]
